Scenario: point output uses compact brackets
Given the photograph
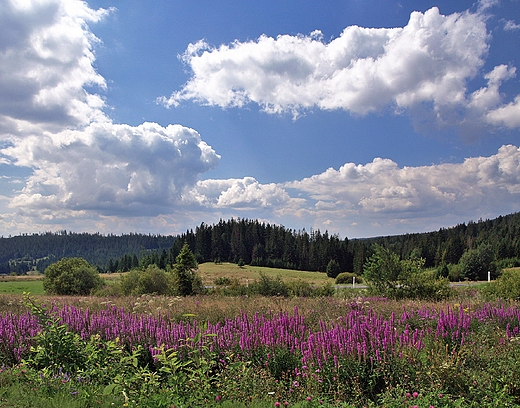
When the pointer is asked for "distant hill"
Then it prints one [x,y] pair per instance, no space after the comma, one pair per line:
[258,243]
[26,252]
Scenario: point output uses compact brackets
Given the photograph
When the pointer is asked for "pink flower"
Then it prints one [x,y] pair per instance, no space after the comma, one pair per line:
[415,394]
[218,398]
[277,404]
[308,398]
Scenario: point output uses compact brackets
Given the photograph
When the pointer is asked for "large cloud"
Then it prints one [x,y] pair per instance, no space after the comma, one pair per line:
[46,55]
[83,165]
[369,199]
[381,191]
[429,61]
[111,168]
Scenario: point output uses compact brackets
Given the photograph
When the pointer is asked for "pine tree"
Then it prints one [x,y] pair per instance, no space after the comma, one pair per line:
[184,270]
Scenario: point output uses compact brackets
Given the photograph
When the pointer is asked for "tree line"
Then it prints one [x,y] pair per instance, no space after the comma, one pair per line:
[257,243]
[22,253]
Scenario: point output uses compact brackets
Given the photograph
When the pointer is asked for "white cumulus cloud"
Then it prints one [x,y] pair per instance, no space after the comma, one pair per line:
[110,168]
[383,189]
[46,55]
[427,63]
[363,70]
[82,164]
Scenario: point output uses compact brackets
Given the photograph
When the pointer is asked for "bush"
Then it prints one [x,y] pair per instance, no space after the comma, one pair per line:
[506,286]
[424,285]
[300,288]
[152,280]
[389,276]
[71,276]
[455,273]
[222,281]
[507,263]
[267,286]
[345,278]
[476,263]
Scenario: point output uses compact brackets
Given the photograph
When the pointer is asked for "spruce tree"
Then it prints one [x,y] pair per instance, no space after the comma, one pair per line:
[184,270]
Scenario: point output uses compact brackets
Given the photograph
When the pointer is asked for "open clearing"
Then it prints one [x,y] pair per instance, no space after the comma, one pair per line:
[18,286]
[209,271]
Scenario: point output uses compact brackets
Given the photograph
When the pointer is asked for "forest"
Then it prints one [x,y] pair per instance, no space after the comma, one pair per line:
[257,243]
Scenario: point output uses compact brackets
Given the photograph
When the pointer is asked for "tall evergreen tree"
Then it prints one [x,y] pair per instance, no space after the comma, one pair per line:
[184,270]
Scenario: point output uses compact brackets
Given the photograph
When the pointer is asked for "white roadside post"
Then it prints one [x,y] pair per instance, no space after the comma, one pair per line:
[489,276]
[353,282]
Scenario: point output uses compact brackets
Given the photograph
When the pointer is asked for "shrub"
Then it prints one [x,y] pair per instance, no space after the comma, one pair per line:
[507,286]
[222,281]
[475,263]
[508,263]
[345,278]
[267,286]
[300,288]
[425,286]
[71,276]
[152,280]
[387,275]
[455,273]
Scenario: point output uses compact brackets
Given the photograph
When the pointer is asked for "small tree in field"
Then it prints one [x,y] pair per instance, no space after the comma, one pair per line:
[71,276]
[333,269]
[387,275]
[186,280]
[382,272]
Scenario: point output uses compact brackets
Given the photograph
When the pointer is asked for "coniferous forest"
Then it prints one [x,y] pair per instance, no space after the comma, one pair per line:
[256,243]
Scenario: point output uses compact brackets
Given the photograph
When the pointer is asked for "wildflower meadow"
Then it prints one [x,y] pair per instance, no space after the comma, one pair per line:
[348,351]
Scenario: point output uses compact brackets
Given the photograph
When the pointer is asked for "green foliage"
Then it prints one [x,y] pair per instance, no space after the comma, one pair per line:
[482,372]
[71,276]
[151,280]
[382,271]
[300,288]
[426,286]
[475,263]
[507,286]
[56,348]
[223,281]
[508,263]
[186,280]
[389,276]
[333,268]
[346,278]
[267,286]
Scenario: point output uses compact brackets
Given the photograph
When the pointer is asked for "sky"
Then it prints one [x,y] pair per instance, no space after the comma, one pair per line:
[359,117]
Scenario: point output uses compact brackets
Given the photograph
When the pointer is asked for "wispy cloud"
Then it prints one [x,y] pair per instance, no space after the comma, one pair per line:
[510,25]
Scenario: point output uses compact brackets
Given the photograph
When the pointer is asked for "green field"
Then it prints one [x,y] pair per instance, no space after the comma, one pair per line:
[18,286]
[209,271]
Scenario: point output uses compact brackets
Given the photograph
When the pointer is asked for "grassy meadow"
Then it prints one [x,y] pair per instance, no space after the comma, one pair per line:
[21,284]
[346,350]
[209,271]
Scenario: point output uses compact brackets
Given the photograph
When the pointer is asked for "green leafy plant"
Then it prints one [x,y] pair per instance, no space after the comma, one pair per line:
[56,348]
[71,276]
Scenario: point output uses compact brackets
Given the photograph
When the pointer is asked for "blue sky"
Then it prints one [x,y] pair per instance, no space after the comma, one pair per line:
[362,118]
